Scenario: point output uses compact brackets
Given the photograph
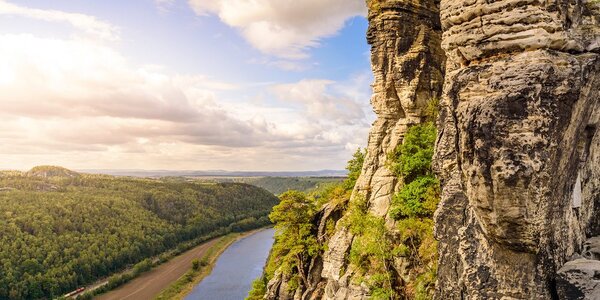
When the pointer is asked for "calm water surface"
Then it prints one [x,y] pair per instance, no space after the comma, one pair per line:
[236,268]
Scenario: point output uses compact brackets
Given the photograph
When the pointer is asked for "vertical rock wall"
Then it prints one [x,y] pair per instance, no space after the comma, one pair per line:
[518,150]
[518,125]
[407,63]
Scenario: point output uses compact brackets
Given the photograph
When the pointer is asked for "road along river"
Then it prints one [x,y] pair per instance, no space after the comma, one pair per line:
[149,284]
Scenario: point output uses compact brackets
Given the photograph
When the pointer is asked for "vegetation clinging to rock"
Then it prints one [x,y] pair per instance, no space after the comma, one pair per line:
[378,249]
[354,168]
[295,241]
[413,208]
[372,249]
[297,244]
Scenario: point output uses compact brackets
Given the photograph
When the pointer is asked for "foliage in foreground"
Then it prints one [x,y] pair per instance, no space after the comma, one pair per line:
[376,249]
[413,208]
[61,230]
[296,244]
[293,218]
[371,252]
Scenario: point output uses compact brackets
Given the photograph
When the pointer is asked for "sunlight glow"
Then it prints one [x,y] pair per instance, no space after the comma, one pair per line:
[7,76]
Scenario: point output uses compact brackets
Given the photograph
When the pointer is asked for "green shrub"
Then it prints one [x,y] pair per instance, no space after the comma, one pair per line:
[142,267]
[204,261]
[195,265]
[419,198]
[295,239]
[259,288]
[372,249]
[296,244]
[354,168]
[413,208]
[413,157]
[432,109]
[425,284]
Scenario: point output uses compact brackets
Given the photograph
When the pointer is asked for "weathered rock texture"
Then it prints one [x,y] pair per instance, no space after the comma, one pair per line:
[518,150]
[580,278]
[407,62]
[518,125]
[278,287]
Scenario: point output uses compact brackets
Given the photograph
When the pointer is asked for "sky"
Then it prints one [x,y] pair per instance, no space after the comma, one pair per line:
[248,85]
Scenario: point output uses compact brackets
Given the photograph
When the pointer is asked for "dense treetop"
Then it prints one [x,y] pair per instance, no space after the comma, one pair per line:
[60,230]
[280,185]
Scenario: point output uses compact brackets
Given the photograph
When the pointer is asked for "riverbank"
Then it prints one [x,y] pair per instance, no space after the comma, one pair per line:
[117,280]
[186,283]
[236,269]
[151,283]
[161,272]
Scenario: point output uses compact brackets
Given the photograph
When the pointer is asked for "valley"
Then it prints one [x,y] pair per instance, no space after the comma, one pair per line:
[206,140]
[61,230]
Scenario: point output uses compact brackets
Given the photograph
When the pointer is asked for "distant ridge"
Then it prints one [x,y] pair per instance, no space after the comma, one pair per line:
[216,173]
[51,171]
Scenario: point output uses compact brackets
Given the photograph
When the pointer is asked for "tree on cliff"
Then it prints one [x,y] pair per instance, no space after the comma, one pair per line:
[293,218]
[354,168]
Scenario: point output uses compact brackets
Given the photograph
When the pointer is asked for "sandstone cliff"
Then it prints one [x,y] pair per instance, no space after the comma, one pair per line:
[517,154]
[518,146]
[408,66]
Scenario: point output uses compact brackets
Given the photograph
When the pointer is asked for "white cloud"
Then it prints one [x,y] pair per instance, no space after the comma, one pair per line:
[283,64]
[88,24]
[83,105]
[78,102]
[285,28]
[81,80]
[319,103]
[164,6]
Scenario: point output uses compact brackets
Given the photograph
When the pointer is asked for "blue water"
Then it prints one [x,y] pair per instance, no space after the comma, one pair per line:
[236,268]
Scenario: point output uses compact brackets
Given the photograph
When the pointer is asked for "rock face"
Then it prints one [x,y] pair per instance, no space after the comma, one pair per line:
[580,277]
[278,286]
[407,63]
[518,150]
[408,66]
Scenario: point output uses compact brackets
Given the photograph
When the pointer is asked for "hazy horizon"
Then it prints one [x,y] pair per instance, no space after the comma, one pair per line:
[183,85]
[180,170]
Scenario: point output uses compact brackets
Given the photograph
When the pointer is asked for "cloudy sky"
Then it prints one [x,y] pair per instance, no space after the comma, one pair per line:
[183,84]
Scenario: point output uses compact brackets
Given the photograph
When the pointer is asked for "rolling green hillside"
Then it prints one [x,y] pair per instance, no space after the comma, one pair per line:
[60,230]
[279,185]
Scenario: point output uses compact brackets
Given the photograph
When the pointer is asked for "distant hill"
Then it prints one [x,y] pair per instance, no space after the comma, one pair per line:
[51,171]
[60,229]
[279,185]
[192,173]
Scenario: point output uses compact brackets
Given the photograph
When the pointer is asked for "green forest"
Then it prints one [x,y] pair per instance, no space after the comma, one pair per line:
[280,185]
[60,230]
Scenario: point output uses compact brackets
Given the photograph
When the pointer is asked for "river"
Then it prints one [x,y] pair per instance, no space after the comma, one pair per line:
[236,268]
